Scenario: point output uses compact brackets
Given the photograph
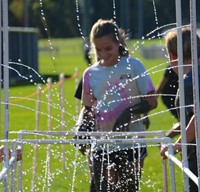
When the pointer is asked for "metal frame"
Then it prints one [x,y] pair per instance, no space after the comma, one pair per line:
[103,138]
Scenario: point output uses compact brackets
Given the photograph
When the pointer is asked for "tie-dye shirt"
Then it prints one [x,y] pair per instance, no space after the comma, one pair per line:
[112,89]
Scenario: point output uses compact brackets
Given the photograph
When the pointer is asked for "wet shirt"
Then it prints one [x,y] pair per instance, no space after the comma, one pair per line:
[170,89]
[188,91]
[172,83]
[112,89]
[188,87]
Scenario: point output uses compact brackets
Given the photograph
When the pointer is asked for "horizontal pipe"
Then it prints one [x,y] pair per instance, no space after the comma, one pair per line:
[23,29]
[83,133]
[91,141]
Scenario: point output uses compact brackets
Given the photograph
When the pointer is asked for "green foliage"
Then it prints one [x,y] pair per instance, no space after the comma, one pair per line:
[62,18]
[17,8]
[75,176]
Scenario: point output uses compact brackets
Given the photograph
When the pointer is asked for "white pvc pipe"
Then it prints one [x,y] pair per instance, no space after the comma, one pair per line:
[106,134]
[6,88]
[48,171]
[23,29]
[13,178]
[20,168]
[172,172]
[181,90]
[165,178]
[139,140]
[38,102]
[6,68]
[186,170]
[92,141]
[62,115]
[49,84]
[195,79]
[102,141]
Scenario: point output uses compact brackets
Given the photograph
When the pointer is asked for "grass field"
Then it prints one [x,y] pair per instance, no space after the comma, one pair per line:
[64,57]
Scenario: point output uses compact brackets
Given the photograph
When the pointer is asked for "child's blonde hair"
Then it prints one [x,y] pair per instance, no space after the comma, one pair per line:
[109,27]
[171,43]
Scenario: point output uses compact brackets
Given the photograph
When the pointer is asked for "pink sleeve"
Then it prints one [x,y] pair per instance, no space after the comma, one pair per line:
[87,95]
[151,87]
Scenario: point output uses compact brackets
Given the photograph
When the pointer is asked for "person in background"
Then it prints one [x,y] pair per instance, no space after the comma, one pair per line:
[171,43]
[168,88]
[115,93]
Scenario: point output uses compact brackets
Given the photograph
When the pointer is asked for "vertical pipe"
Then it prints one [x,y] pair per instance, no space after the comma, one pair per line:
[6,86]
[20,167]
[181,90]
[62,110]
[165,179]
[6,68]
[36,137]
[13,178]
[49,84]
[172,172]
[195,79]
[38,102]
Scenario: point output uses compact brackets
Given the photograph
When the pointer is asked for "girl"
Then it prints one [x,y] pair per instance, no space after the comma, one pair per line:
[116,91]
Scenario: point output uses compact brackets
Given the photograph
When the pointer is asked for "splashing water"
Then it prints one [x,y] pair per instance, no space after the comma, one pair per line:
[46,29]
[75,164]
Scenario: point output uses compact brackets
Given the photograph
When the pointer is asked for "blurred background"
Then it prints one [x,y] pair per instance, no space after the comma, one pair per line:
[61,15]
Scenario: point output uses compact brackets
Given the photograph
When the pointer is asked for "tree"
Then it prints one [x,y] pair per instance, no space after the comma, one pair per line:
[16,12]
[58,18]
[55,18]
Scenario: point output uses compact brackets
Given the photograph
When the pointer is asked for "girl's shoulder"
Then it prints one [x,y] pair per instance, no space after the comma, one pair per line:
[91,68]
[132,60]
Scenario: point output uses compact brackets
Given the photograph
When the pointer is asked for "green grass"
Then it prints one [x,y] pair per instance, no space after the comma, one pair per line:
[65,56]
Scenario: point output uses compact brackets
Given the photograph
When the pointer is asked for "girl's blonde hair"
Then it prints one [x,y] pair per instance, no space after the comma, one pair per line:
[109,27]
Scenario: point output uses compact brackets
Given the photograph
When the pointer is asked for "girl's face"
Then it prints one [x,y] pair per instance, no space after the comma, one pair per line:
[107,50]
